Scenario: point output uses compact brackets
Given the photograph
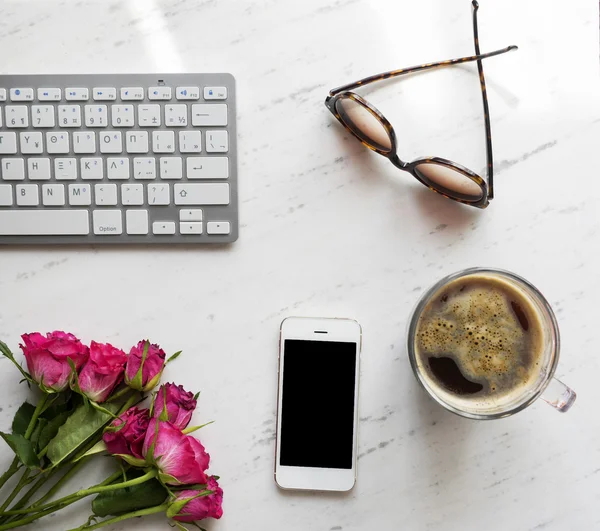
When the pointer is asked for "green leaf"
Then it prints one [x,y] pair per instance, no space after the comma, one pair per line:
[22,418]
[174,356]
[180,526]
[23,449]
[5,351]
[197,395]
[121,501]
[51,429]
[192,429]
[80,427]
[98,448]
[35,436]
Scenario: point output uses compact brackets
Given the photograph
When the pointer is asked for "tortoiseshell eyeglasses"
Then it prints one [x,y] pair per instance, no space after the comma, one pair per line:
[443,176]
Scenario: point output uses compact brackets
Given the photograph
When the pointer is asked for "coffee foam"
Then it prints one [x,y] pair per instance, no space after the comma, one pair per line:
[490,328]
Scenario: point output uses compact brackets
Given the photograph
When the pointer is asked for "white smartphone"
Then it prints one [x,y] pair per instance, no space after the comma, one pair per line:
[317,404]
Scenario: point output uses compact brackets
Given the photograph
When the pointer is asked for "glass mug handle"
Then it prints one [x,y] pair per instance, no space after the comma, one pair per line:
[559,396]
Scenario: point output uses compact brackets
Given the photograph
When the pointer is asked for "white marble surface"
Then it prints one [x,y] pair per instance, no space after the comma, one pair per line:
[331,229]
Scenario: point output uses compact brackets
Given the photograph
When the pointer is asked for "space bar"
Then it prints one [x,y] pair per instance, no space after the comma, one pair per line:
[44,222]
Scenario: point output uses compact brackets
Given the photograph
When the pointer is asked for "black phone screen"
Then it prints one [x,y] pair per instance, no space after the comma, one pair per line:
[317,404]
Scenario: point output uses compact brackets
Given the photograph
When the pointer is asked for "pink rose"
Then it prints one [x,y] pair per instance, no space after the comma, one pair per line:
[152,366]
[102,372]
[180,405]
[187,506]
[180,459]
[47,358]
[124,438]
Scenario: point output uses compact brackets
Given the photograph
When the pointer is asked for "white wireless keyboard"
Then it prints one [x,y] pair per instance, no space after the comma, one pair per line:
[118,159]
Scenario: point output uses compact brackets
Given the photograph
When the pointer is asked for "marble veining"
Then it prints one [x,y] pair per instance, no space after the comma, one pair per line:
[329,228]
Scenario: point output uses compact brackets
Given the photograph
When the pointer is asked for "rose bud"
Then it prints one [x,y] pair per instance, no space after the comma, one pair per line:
[102,371]
[191,506]
[151,359]
[179,402]
[47,358]
[124,438]
[180,459]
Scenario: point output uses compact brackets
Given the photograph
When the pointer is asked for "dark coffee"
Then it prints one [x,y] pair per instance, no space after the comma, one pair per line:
[480,337]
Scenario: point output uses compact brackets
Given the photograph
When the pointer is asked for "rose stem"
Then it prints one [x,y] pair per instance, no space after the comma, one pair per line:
[10,472]
[85,492]
[143,512]
[23,481]
[32,518]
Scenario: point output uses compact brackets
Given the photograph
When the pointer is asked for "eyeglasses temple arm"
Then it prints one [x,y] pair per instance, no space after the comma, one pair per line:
[486,108]
[412,69]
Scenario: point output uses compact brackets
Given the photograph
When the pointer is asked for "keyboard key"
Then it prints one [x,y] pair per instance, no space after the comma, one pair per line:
[92,169]
[149,115]
[218,227]
[42,116]
[111,142]
[105,194]
[201,194]
[117,169]
[13,169]
[21,94]
[104,94]
[209,114]
[190,141]
[163,227]
[6,198]
[8,143]
[159,194]
[190,214]
[171,168]
[57,143]
[53,194]
[84,142]
[163,141]
[207,167]
[77,94]
[137,221]
[122,116]
[159,93]
[132,93]
[41,222]
[132,194]
[137,141]
[27,194]
[69,115]
[108,222]
[217,141]
[215,93]
[65,169]
[2,94]
[144,168]
[187,93]
[96,115]
[80,194]
[16,116]
[38,169]
[31,143]
[176,116]
[190,227]
[49,94]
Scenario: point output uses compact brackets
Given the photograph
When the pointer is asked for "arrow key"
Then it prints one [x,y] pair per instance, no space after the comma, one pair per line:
[163,227]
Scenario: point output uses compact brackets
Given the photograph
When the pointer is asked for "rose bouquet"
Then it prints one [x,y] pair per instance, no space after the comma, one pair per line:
[91,403]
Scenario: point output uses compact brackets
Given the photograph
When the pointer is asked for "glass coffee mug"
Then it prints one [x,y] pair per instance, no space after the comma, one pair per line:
[484,343]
